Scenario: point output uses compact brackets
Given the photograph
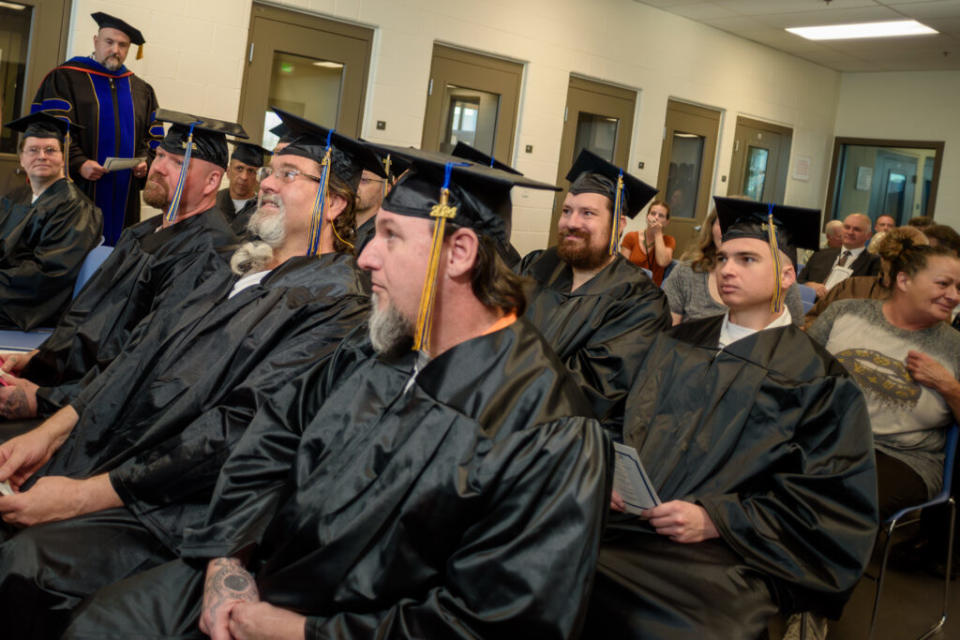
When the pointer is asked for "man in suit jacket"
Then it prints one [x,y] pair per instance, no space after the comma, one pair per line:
[851,254]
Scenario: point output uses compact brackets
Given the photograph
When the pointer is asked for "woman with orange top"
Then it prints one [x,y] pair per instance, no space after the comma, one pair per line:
[655,251]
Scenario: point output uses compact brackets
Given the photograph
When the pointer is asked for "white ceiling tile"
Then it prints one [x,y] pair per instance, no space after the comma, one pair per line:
[702,11]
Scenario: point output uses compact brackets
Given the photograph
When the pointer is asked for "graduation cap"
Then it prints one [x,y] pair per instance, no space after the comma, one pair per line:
[193,136]
[442,188]
[784,228]
[346,157]
[395,162]
[282,133]
[463,150]
[41,124]
[107,21]
[592,174]
[249,154]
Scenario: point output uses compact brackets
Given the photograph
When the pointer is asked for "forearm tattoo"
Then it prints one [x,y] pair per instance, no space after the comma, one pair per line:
[15,405]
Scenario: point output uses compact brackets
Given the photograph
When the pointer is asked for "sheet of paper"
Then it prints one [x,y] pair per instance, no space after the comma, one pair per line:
[5,489]
[631,481]
[837,275]
[119,164]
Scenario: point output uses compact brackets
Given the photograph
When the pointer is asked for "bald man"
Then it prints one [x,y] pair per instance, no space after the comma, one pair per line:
[834,233]
[833,265]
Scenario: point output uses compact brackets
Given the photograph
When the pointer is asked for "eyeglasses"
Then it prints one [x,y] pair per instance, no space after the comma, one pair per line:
[285,175]
[36,151]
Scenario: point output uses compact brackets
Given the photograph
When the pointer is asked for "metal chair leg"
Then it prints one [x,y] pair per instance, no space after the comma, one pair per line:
[946,579]
[880,575]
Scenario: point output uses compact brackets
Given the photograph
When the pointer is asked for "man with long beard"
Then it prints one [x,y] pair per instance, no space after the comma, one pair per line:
[451,490]
[147,437]
[161,258]
[597,310]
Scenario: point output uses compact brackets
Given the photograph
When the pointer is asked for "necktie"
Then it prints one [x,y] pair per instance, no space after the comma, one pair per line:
[842,262]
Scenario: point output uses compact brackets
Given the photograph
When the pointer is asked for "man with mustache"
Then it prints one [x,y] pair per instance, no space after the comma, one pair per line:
[158,261]
[148,435]
[45,233]
[117,110]
[451,489]
[596,309]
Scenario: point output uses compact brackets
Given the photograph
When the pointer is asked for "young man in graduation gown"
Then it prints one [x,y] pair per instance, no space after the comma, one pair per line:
[449,490]
[148,436]
[597,310]
[45,232]
[239,200]
[161,258]
[759,444]
[117,110]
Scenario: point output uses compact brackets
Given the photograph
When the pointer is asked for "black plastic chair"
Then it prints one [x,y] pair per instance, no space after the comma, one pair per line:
[897,520]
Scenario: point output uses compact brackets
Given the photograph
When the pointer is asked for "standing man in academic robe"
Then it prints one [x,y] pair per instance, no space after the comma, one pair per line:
[45,233]
[239,200]
[117,110]
[159,260]
[448,490]
[758,443]
[597,310]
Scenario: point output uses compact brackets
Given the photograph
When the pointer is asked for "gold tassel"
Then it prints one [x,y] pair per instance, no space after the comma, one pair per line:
[776,302]
[316,218]
[441,212]
[617,213]
[139,51]
[386,181]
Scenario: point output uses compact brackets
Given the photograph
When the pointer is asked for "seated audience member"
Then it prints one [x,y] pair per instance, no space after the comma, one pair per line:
[163,257]
[906,358]
[827,267]
[239,200]
[884,223]
[758,443]
[834,234]
[457,489]
[371,192]
[656,250]
[596,309]
[942,235]
[45,231]
[144,442]
[871,287]
[691,288]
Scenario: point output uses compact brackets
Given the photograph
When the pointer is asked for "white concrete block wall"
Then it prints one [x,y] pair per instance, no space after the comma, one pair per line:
[195,59]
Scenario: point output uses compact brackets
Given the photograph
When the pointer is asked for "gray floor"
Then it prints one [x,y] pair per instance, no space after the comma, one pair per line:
[910,603]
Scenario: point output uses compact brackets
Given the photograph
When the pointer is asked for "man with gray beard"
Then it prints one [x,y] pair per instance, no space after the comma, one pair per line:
[452,490]
[158,261]
[148,436]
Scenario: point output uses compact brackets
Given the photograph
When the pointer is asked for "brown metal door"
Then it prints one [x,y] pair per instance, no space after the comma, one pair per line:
[312,67]
[761,155]
[598,117]
[686,167]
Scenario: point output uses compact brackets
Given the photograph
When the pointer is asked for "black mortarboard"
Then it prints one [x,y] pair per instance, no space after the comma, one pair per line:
[394,161]
[796,227]
[107,21]
[248,153]
[41,124]
[451,189]
[209,135]
[463,150]
[191,136]
[348,156]
[282,133]
[584,178]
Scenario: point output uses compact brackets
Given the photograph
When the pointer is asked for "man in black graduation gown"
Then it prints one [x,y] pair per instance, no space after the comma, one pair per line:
[597,310]
[45,232]
[373,189]
[117,110]
[163,257]
[453,490]
[150,433]
[759,443]
[239,200]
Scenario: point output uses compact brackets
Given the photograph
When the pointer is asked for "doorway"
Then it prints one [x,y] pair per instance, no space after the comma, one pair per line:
[597,117]
[23,66]
[761,155]
[686,167]
[472,98]
[310,66]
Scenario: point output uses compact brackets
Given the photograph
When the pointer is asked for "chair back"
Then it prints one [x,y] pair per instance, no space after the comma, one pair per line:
[90,264]
[807,295]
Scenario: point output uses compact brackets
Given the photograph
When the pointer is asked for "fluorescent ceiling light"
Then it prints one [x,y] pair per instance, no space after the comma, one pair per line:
[328,65]
[863,30]
[13,5]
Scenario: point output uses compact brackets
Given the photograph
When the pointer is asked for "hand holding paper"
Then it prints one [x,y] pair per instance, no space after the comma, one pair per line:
[630,481]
